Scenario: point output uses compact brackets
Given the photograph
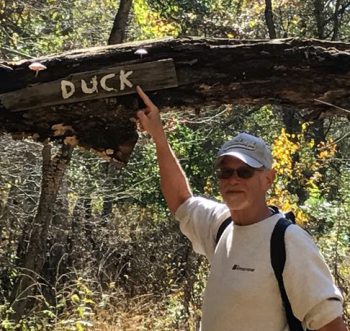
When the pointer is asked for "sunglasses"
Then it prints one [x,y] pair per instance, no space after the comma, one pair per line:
[244,172]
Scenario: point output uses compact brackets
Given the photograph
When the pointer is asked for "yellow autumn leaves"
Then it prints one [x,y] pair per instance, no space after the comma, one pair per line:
[151,24]
[298,160]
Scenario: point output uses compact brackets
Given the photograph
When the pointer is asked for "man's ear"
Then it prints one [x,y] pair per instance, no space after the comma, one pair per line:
[270,176]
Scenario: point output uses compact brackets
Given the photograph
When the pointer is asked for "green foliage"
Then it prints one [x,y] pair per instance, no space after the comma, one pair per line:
[50,26]
[245,19]
[128,265]
[150,24]
[5,317]
[137,250]
[35,28]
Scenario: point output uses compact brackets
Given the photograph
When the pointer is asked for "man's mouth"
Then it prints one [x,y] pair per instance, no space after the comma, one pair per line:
[233,191]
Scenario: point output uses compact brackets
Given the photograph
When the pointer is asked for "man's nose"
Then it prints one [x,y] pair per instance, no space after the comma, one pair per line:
[233,179]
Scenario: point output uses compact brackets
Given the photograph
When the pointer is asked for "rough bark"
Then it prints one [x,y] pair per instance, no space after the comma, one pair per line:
[269,19]
[75,239]
[336,22]
[55,269]
[320,22]
[33,260]
[307,74]
[120,23]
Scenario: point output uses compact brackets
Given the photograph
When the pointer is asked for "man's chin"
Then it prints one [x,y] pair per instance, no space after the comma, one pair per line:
[235,204]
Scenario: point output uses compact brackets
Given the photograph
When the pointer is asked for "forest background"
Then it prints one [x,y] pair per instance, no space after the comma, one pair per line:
[113,255]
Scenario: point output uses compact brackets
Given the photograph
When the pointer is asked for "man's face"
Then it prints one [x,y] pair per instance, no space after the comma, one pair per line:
[244,193]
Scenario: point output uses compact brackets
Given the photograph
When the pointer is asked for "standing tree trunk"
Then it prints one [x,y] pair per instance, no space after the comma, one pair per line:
[320,22]
[269,19]
[336,22]
[117,35]
[75,240]
[33,260]
[56,261]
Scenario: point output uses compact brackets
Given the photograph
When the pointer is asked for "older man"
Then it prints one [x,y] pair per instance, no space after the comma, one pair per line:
[242,292]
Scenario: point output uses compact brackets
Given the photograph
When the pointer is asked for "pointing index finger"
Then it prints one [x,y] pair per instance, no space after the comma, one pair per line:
[144,97]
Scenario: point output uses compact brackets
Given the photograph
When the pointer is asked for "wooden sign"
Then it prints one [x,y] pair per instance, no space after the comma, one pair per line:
[104,83]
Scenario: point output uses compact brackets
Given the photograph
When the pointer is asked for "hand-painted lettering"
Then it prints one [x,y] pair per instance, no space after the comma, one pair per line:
[67,89]
[124,79]
[103,83]
[86,86]
[89,90]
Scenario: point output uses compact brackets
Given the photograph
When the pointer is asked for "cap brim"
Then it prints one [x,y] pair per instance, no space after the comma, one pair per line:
[244,158]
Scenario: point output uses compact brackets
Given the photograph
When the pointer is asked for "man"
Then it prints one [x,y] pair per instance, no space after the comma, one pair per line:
[242,292]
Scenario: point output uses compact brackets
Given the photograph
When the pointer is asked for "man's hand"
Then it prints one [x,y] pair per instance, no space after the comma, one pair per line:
[336,325]
[149,117]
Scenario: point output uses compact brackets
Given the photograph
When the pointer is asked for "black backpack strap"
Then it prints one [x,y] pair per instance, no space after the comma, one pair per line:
[289,215]
[278,260]
[222,228]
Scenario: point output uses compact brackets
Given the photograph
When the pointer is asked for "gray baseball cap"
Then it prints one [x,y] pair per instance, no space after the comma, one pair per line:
[249,149]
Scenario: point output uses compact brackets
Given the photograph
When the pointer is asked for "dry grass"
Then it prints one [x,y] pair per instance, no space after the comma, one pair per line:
[139,314]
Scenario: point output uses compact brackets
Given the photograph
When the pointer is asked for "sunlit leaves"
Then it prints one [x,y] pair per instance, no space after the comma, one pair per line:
[297,159]
[246,19]
[151,24]
[52,26]
[315,174]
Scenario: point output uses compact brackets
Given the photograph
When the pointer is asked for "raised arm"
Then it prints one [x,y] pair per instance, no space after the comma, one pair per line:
[173,181]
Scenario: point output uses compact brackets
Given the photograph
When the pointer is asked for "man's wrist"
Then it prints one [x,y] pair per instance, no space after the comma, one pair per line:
[159,136]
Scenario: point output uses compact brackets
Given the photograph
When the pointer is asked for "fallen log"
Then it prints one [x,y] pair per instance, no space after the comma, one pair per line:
[87,97]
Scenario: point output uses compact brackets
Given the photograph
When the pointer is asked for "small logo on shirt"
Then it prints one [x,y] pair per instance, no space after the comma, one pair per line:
[237,267]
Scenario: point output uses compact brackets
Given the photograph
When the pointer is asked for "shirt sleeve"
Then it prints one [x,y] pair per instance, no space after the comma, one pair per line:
[314,298]
[200,220]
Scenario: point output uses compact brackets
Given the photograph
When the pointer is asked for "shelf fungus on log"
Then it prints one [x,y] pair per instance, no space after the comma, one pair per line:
[87,97]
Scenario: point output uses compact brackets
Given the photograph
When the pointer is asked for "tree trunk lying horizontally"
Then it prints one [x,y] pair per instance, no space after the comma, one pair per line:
[87,97]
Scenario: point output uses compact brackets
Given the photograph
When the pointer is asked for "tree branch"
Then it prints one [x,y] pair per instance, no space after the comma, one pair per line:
[21,54]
